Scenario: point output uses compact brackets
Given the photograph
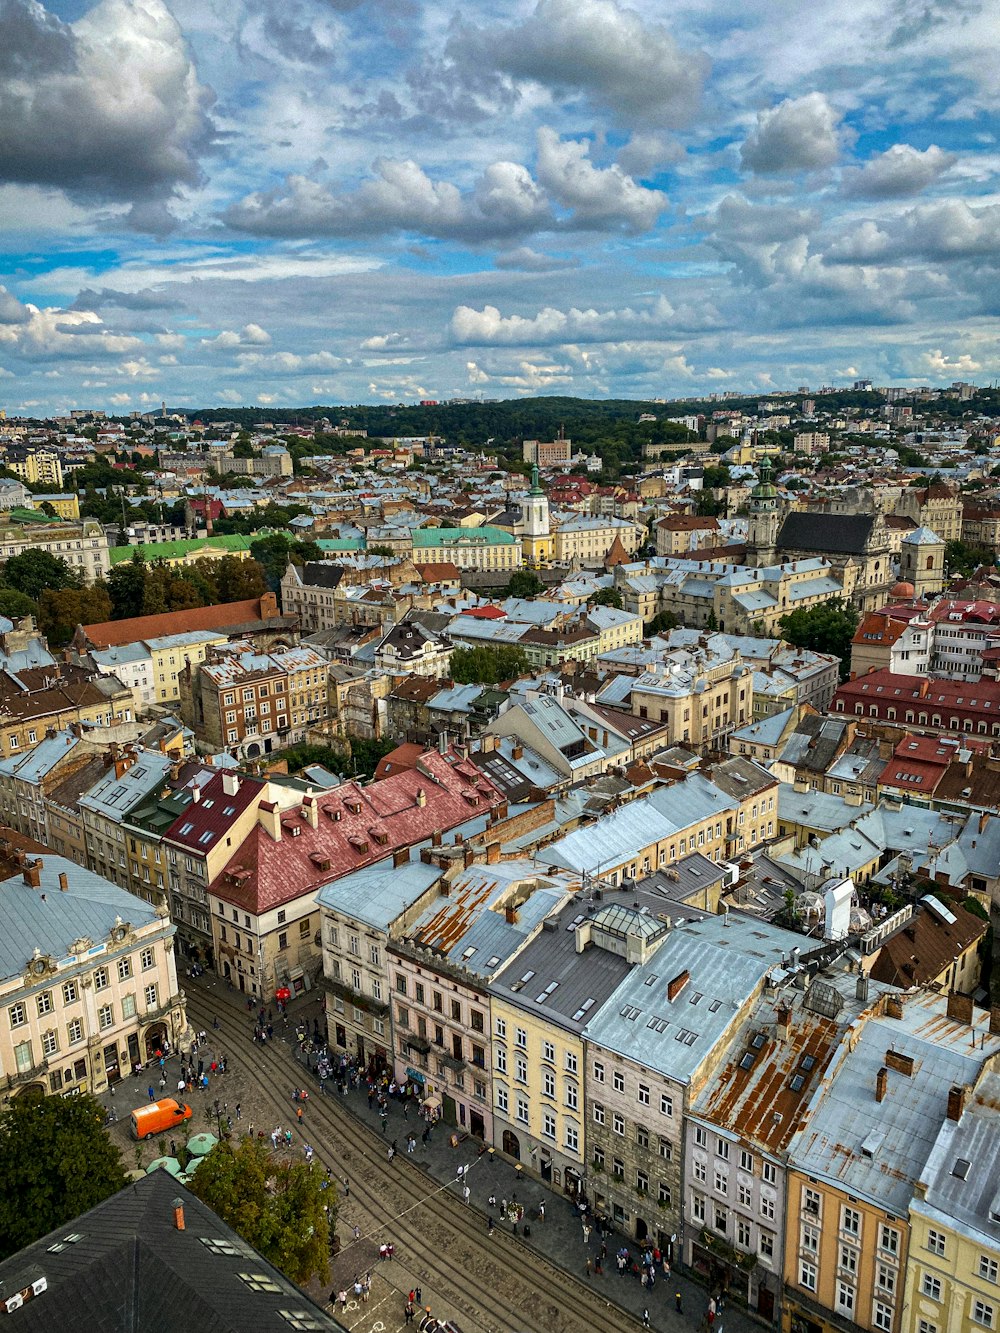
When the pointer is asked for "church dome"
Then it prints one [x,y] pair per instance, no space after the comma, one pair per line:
[902,592]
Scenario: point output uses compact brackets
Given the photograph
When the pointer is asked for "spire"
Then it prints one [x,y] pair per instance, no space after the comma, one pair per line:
[764,490]
[536,487]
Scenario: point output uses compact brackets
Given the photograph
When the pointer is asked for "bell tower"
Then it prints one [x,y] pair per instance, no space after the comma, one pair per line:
[536,532]
[762,530]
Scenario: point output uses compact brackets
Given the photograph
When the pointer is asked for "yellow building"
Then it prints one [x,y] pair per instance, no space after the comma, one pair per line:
[65,504]
[38,467]
[172,653]
[953,1274]
[537,541]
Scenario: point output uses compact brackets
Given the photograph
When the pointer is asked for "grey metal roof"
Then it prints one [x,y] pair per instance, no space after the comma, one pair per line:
[51,919]
[377,894]
[962,1172]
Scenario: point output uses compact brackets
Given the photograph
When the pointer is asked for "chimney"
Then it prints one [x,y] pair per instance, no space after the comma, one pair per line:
[881,1084]
[517,752]
[268,816]
[230,783]
[32,874]
[401,857]
[436,838]
[195,794]
[984,819]
[310,808]
[510,915]
[493,856]
[421,797]
[63,882]
[675,987]
[959,1007]
[903,1064]
[893,1007]
[468,857]
[179,1214]
[861,989]
[995,1021]
[784,1018]
[956,1101]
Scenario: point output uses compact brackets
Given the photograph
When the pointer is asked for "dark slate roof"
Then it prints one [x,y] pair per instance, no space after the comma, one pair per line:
[321,574]
[130,1270]
[840,534]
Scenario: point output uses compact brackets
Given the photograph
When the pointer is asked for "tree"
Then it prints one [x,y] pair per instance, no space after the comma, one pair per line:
[34,570]
[61,610]
[14,604]
[966,557]
[487,664]
[237,580]
[276,1206]
[127,587]
[662,623]
[827,628]
[56,1162]
[608,597]
[524,583]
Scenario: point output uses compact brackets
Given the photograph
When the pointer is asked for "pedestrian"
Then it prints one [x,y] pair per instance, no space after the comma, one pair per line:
[588,1266]
[420,1297]
[466,1192]
[347,1188]
[357,1231]
[229,1123]
[343,1300]
[383,1250]
[677,1303]
[392,1151]
[492,1201]
[408,1312]
[238,1114]
[391,1251]
[489,1224]
[298,1114]
[645,1319]
[426,1134]
[152,1093]
[411,1143]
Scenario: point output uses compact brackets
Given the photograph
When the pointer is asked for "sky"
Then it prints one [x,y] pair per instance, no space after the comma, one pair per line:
[246,202]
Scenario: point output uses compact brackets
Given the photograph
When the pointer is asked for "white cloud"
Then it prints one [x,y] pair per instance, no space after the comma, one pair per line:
[947,229]
[800,134]
[597,196]
[941,364]
[551,326]
[251,335]
[899,171]
[630,69]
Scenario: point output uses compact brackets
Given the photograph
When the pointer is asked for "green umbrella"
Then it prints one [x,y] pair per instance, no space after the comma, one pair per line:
[200,1144]
[170,1164]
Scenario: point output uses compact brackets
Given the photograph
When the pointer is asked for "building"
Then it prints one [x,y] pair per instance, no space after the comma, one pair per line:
[547,453]
[857,546]
[307,592]
[89,979]
[677,534]
[923,704]
[937,506]
[921,562]
[409,648]
[487,549]
[536,539]
[158,1253]
[884,642]
[699,706]
[36,700]
[83,544]
[257,615]
[38,467]
[962,632]
[953,1271]
[765,518]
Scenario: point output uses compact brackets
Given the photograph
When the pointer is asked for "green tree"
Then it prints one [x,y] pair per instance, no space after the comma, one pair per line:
[712,621]
[524,583]
[243,449]
[487,664]
[274,552]
[60,610]
[14,604]
[827,628]
[276,1206]
[56,1162]
[608,597]
[236,580]
[662,623]
[966,557]
[127,587]
[34,570]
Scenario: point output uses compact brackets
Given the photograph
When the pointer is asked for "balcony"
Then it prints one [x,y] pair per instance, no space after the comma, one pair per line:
[22,1076]
[453,1062]
[377,1008]
[416,1043]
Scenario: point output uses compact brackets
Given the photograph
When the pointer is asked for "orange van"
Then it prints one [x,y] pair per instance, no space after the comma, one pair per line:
[158,1117]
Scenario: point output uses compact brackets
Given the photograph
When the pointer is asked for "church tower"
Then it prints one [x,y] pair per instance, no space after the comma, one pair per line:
[921,562]
[762,531]
[536,536]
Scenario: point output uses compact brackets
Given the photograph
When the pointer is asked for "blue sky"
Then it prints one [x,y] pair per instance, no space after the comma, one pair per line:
[323,201]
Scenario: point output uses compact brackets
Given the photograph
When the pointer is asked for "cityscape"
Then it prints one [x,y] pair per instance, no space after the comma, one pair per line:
[499,667]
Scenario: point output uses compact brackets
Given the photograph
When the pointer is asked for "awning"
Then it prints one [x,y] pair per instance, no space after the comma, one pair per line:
[433,1101]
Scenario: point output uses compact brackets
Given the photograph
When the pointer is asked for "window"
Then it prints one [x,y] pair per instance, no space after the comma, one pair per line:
[572,1097]
[502,1100]
[743,1193]
[50,1043]
[618,1123]
[935,1242]
[767,1208]
[666,1150]
[642,1136]
[599,1156]
[850,1221]
[522,1110]
[720,1218]
[16,1013]
[931,1286]
[501,1060]
[456,1011]
[848,1260]
[663,1194]
[618,1081]
[572,1139]
[888,1239]
[618,1168]
[885,1279]
[746,1160]
[599,1117]
[74,1031]
[521,1069]
[845,1298]
[765,1247]
[925,1326]
[642,1182]
[810,1201]
[402,1015]
[146,959]
[44,1003]
[598,1072]
[642,1094]
[548,1052]
[983,1313]
[882,1316]
[548,1125]
[69,992]
[743,1233]
[124,969]
[22,1057]
[698,1208]
[476,1020]
[721,1181]
[418,992]
[101,978]
[282,939]
[700,1170]
[106,1016]
[520,1037]
[548,1081]
[810,1238]
[571,1065]
[722,1149]
[400,984]
[768,1173]
[501,1027]
[666,1104]
[987,1268]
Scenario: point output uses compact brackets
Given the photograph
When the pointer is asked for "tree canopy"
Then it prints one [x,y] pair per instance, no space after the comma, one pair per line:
[827,628]
[524,583]
[34,570]
[277,1206]
[608,597]
[139,589]
[487,664]
[56,1162]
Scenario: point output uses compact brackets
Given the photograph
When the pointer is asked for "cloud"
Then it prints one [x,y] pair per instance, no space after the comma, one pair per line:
[800,134]
[526,260]
[632,70]
[109,107]
[941,364]
[598,197]
[505,201]
[251,335]
[551,326]
[898,172]
[736,219]
[11,309]
[948,229]
[383,342]
[58,334]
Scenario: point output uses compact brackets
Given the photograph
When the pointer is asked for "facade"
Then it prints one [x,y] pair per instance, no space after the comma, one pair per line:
[307,592]
[487,549]
[54,698]
[408,648]
[962,632]
[83,545]
[536,528]
[547,453]
[921,562]
[699,706]
[922,704]
[883,642]
[89,980]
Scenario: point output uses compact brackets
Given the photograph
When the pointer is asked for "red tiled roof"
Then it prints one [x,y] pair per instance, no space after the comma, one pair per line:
[485,612]
[207,817]
[113,633]
[356,826]
[401,759]
[878,627]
